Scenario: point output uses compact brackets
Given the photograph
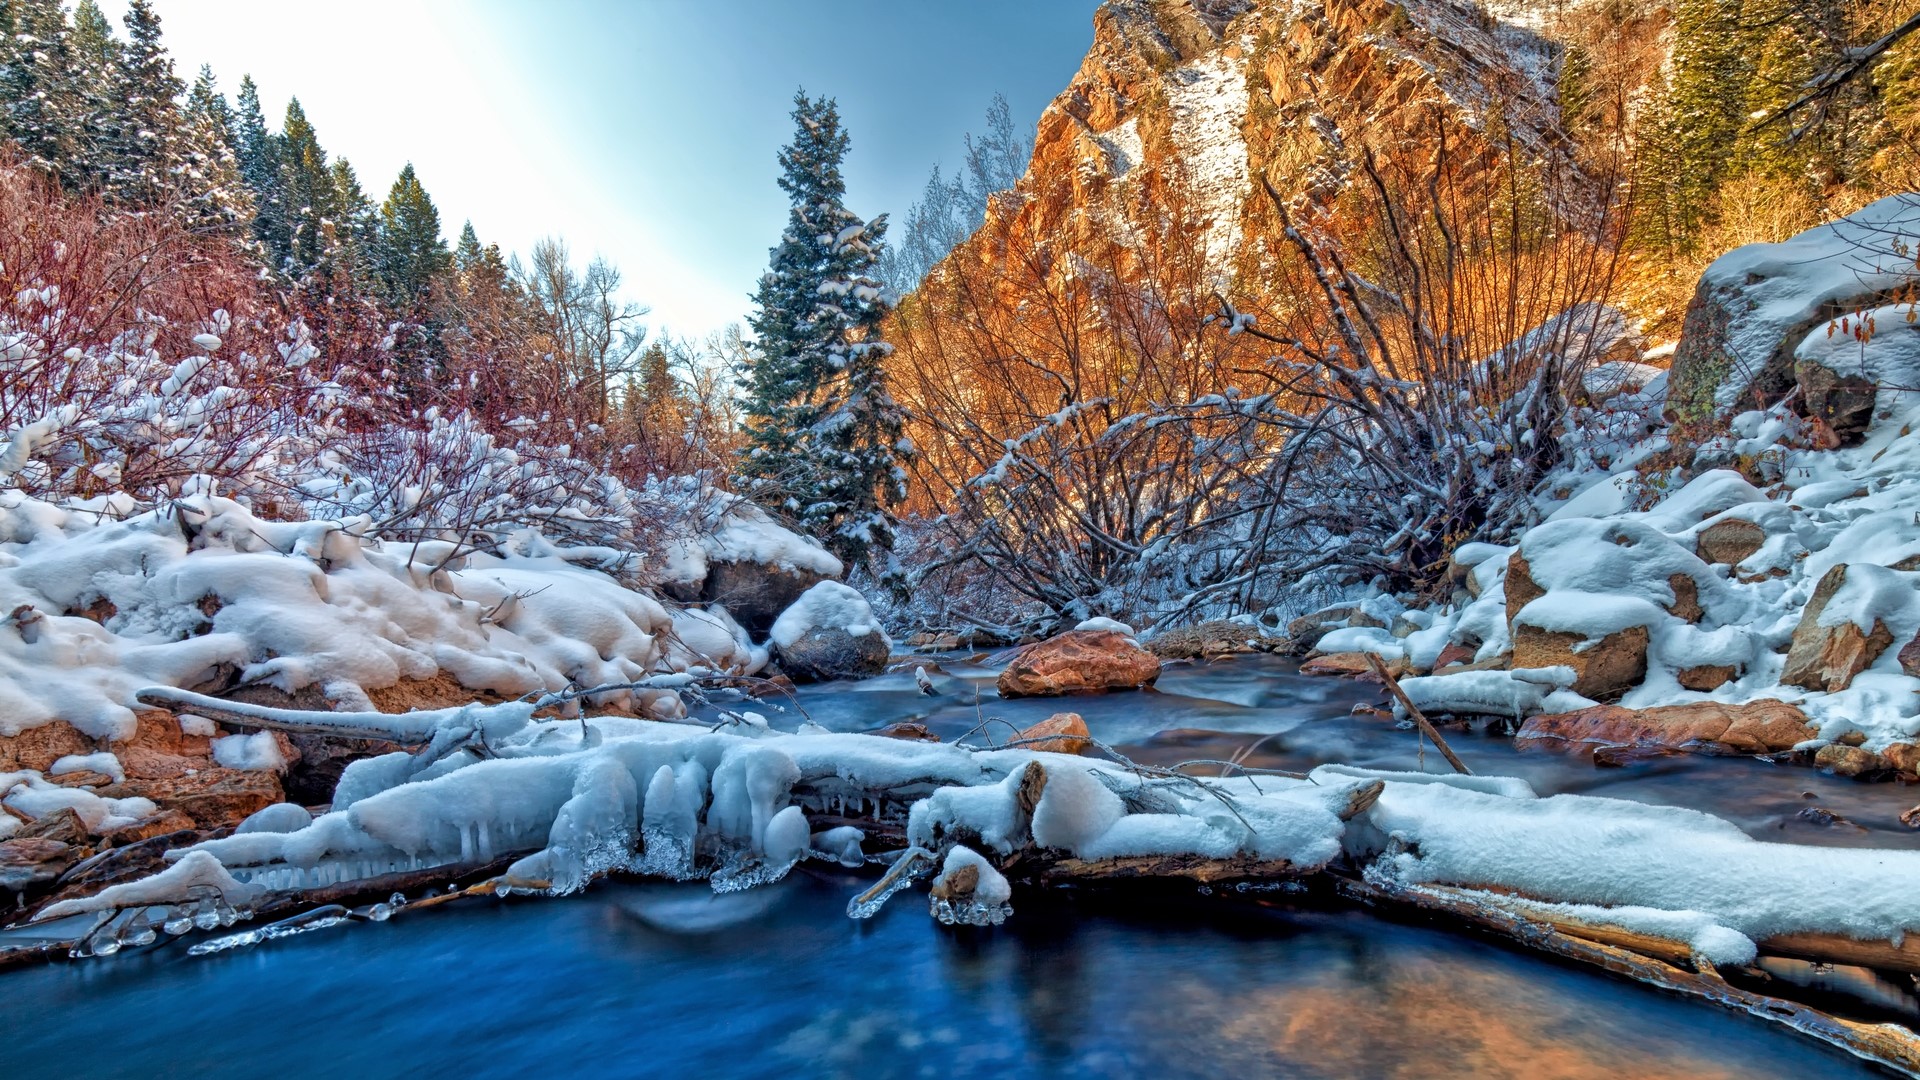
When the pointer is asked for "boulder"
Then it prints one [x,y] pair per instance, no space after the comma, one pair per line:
[1756,304]
[1903,756]
[1079,662]
[1844,760]
[1455,653]
[830,652]
[1757,727]
[315,772]
[1521,589]
[63,825]
[755,594]
[1909,657]
[39,747]
[1061,733]
[908,732]
[160,824]
[1844,403]
[212,797]
[1707,677]
[1828,657]
[1354,665]
[1686,598]
[830,632]
[1729,541]
[1603,669]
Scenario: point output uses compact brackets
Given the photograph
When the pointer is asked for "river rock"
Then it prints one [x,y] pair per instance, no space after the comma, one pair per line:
[829,652]
[1844,760]
[907,731]
[1079,662]
[1828,657]
[1607,668]
[1354,665]
[64,825]
[1061,733]
[1757,727]
[1729,541]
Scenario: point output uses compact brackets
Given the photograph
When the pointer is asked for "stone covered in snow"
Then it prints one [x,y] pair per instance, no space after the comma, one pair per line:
[830,633]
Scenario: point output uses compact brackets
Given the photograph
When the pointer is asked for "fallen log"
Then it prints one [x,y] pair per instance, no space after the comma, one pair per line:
[1890,1045]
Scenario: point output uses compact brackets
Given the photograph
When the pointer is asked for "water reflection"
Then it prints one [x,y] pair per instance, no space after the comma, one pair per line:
[1072,986]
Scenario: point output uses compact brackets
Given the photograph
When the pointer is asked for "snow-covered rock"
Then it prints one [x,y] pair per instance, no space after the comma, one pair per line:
[830,633]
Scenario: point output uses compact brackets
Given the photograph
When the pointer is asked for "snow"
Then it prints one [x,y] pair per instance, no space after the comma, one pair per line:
[827,605]
[1103,623]
[257,752]
[192,878]
[29,793]
[1207,103]
[1575,849]
[103,762]
[1075,810]
[1795,282]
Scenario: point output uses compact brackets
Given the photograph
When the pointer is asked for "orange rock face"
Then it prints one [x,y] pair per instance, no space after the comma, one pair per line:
[1608,668]
[1828,657]
[1079,662]
[1757,727]
[1061,733]
[210,797]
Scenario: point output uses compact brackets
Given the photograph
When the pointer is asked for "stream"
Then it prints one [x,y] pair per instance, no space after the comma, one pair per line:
[650,979]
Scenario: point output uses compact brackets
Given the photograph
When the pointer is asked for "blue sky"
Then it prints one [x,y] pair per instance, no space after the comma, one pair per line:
[642,130]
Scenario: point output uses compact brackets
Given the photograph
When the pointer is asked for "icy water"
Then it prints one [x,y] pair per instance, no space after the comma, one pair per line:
[654,980]
[1210,711]
[636,980]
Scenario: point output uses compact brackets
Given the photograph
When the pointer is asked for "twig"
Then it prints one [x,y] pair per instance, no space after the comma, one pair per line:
[1393,685]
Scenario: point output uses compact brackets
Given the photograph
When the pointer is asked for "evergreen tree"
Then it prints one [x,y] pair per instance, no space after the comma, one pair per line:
[356,230]
[411,253]
[310,192]
[149,159]
[39,109]
[823,434]
[217,196]
[259,152]
[100,144]
[1696,138]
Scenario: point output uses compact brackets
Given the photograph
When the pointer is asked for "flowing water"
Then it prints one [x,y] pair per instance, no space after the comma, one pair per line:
[658,980]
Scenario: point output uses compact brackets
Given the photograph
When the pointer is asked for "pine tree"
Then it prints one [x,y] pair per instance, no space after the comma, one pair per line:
[356,228]
[310,193]
[216,194]
[823,434]
[411,253]
[1696,138]
[150,159]
[39,107]
[259,152]
[101,145]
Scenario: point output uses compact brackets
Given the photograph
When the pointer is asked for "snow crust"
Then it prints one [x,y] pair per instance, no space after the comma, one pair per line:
[827,605]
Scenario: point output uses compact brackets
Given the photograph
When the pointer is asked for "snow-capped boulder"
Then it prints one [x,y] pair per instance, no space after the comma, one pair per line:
[1079,662]
[1755,304]
[1841,367]
[734,554]
[1827,654]
[1729,541]
[830,633]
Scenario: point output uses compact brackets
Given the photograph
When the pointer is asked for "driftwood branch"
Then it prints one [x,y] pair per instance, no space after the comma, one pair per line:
[1393,686]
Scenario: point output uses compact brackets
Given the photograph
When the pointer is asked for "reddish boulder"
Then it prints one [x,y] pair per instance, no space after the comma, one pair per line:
[1061,733]
[1079,662]
[908,731]
[39,747]
[1758,727]
[1353,665]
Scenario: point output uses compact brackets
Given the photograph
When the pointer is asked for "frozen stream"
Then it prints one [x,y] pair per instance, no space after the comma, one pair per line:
[657,980]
